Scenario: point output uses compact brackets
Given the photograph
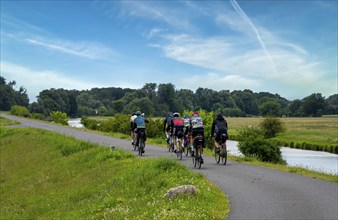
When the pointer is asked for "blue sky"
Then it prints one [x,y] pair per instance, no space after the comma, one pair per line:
[284,47]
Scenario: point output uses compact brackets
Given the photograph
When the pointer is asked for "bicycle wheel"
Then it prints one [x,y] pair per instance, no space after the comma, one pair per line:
[199,157]
[180,151]
[217,156]
[140,148]
[224,154]
[194,160]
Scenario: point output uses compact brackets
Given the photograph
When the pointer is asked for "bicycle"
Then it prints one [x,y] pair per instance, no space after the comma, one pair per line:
[141,143]
[197,159]
[223,154]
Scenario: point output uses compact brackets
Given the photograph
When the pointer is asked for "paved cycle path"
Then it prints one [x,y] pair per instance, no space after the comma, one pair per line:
[254,192]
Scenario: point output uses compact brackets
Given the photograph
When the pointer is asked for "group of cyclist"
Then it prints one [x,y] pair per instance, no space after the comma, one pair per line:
[186,129]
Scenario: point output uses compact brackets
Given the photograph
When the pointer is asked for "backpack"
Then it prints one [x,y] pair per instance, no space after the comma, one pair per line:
[221,127]
[169,118]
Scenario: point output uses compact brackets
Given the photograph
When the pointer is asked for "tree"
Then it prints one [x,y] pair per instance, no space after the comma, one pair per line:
[9,96]
[270,108]
[314,105]
[143,105]
[167,95]
[333,104]
[271,127]
[246,101]
[295,108]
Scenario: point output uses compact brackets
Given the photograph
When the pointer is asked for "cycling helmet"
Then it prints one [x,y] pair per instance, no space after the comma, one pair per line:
[176,114]
[219,115]
[186,116]
[195,114]
[169,114]
[138,113]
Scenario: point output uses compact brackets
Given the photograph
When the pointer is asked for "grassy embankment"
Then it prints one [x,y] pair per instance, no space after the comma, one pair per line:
[45,175]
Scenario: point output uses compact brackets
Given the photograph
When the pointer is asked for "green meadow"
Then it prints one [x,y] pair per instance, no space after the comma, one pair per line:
[45,175]
[321,130]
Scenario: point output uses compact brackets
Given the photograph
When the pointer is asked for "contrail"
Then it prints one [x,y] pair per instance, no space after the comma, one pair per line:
[241,13]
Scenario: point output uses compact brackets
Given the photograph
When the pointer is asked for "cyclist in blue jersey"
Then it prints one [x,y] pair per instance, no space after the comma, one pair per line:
[140,126]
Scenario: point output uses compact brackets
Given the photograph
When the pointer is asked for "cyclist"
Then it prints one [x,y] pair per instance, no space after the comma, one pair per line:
[186,123]
[166,124]
[177,127]
[196,124]
[140,126]
[132,127]
[219,127]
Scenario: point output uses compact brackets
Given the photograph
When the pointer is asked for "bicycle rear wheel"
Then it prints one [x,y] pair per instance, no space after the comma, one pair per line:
[194,160]
[141,147]
[180,151]
[224,154]
[217,156]
[199,156]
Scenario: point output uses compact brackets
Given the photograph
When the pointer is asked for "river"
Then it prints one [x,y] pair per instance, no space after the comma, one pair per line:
[313,160]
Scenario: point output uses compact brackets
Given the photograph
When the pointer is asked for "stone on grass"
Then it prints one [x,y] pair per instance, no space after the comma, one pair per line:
[181,190]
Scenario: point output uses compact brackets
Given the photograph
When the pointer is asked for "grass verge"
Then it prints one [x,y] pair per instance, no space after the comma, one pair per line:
[45,175]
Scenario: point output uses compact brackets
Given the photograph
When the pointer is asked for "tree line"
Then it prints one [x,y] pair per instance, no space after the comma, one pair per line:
[157,99]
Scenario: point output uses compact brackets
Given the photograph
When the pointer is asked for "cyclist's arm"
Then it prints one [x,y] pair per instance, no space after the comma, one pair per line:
[164,124]
[212,128]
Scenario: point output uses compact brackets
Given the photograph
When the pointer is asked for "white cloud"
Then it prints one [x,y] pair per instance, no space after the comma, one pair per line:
[36,81]
[90,50]
[17,30]
[217,81]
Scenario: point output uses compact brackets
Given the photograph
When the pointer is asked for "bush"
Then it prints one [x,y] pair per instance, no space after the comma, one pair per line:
[271,127]
[19,111]
[38,116]
[263,149]
[59,117]
[253,144]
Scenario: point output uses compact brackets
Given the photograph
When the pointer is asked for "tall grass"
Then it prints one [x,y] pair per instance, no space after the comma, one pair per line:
[45,175]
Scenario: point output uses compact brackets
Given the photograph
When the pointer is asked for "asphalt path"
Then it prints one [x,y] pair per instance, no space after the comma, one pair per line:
[254,192]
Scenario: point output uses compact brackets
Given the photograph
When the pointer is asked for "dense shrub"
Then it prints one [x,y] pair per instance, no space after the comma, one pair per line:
[272,127]
[19,111]
[59,117]
[253,144]
[263,149]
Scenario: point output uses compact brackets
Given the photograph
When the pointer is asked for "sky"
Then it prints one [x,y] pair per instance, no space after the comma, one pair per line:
[286,47]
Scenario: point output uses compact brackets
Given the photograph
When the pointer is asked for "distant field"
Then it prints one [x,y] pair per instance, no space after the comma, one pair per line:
[323,130]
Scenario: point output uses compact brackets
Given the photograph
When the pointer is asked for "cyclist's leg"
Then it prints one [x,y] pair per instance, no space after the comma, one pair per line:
[193,135]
